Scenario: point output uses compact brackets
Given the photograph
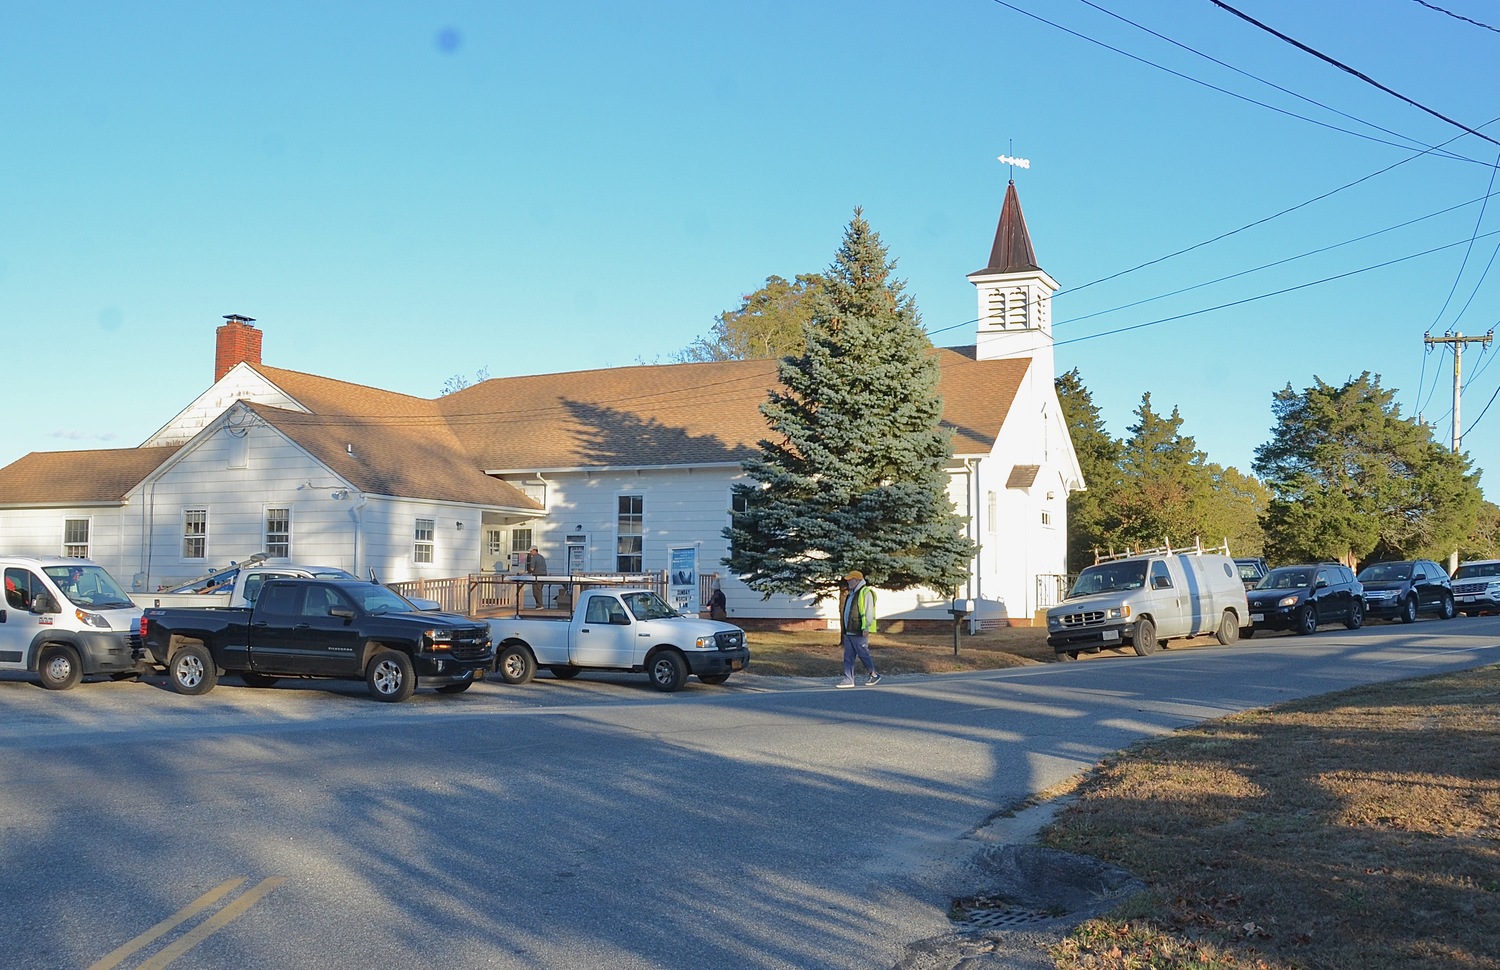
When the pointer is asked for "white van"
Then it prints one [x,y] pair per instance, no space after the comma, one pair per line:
[1147,597]
[64,619]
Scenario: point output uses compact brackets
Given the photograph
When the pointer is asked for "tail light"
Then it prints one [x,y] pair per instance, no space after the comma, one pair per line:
[143,629]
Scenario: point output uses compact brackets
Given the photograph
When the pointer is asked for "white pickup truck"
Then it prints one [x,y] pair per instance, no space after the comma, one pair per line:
[239,585]
[235,586]
[615,628]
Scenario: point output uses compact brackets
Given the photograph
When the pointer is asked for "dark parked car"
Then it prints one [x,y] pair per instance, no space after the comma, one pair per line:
[1298,598]
[1401,590]
[1252,571]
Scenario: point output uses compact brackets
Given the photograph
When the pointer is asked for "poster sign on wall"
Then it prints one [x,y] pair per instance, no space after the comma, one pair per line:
[682,578]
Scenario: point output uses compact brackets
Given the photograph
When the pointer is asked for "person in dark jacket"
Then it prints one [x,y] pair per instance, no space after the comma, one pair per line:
[536,565]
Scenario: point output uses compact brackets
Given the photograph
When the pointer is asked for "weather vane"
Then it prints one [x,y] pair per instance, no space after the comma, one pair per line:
[1014,163]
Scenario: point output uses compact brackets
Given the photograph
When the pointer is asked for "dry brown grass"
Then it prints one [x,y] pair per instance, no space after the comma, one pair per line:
[817,653]
[1355,830]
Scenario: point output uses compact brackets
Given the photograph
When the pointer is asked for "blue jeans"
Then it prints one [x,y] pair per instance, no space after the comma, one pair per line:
[857,644]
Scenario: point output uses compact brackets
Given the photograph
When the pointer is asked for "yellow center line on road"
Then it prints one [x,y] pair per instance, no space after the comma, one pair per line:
[213,924]
[113,958]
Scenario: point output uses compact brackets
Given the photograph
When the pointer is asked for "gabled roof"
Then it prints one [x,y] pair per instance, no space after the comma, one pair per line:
[82,477]
[679,414]
[1012,251]
[418,459]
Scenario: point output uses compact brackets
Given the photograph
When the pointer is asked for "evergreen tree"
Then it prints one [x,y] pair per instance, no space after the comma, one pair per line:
[1166,483]
[1353,480]
[1091,519]
[857,478]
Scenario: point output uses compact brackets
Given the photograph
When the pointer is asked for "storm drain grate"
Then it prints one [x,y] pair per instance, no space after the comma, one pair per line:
[989,913]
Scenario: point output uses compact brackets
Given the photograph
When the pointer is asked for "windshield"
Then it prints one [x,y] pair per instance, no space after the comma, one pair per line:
[1477,570]
[378,599]
[1288,577]
[648,606]
[89,585]
[1249,570]
[1110,576]
[1386,572]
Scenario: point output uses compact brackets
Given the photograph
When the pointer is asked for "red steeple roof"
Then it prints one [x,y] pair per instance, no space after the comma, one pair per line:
[1012,250]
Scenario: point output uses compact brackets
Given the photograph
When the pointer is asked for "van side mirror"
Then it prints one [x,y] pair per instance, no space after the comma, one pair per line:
[44,603]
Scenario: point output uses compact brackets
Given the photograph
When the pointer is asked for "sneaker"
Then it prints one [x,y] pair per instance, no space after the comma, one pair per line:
[844,683]
[874,679]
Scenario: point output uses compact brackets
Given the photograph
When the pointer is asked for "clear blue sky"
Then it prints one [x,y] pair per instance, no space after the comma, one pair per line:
[402,192]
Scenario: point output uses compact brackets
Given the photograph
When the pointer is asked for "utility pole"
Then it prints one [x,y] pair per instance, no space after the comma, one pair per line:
[1459,341]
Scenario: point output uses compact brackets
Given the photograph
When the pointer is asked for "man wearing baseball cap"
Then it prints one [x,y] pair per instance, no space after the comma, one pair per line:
[857,622]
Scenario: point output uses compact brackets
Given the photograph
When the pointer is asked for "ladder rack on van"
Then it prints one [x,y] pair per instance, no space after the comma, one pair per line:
[1195,549]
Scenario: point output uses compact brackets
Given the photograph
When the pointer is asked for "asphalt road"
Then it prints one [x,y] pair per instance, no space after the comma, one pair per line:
[771,823]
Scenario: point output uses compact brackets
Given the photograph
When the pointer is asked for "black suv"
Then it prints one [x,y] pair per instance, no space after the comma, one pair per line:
[1298,598]
[1401,590]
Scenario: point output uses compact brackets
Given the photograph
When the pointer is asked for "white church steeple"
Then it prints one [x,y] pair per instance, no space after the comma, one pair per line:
[1015,296]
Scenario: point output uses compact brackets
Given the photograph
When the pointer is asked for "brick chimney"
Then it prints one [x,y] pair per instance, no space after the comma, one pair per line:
[235,341]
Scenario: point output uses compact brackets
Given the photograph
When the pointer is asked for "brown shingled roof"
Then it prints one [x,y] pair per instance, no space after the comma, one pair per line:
[419,460]
[1012,250]
[78,477]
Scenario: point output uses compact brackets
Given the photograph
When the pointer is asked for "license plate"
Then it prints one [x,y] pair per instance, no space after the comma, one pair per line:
[1466,599]
[1257,617]
[1111,634]
[735,665]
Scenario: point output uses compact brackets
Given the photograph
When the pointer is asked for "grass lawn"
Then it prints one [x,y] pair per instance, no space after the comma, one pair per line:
[1353,831]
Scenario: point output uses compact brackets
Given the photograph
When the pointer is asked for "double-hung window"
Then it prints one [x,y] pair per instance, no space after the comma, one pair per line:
[630,533]
[279,533]
[194,533]
[422,546]
[76,538]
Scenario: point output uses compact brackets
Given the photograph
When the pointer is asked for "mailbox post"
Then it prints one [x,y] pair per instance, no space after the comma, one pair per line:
[959,609]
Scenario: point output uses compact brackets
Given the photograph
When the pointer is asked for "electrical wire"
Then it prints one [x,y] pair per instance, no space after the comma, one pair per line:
[1279,262]
[1253,77]
[1232,94]
[1263,296]
[1457,16]
[1347,69]
[1257,222]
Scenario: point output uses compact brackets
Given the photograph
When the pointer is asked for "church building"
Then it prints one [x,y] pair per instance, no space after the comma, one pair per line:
[625,469]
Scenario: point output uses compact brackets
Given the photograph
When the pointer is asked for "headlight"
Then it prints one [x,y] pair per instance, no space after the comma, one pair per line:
[91,619]
[1289,600]
[706,643]
[1117,613]
[440,639]
[1053,622]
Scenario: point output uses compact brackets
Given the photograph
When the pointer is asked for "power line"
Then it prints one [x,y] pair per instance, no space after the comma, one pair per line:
[1458,16]
[1279,262]
[1232,94]
[1253,77]
[1259,222]
[1346,68]
[1263,296]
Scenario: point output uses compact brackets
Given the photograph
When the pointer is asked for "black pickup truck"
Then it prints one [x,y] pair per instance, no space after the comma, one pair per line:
[338,628]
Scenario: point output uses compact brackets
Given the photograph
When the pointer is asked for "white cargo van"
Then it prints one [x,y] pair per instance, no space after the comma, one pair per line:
[1144,598]
[64,619]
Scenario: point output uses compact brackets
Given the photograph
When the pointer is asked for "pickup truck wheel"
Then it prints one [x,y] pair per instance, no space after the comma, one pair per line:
[515,665]
[1145,638]
[390,676]
[58,667]
[253,679]
[667,670]
[714,679]
[192,670]
[1229,629]
[457,688]
[565,671]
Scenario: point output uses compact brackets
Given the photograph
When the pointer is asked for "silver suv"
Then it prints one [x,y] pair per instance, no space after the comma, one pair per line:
[1476,587]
